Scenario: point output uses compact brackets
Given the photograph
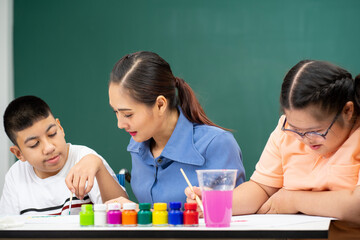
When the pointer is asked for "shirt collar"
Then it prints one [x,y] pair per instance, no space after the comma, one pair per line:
[179,148]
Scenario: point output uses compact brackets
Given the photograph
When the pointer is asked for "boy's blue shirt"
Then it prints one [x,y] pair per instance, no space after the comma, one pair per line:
[191,147]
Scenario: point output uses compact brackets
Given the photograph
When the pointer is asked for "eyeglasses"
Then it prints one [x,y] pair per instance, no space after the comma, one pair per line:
[316,136]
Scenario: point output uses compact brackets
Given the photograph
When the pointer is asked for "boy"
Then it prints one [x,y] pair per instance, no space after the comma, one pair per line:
[39,183]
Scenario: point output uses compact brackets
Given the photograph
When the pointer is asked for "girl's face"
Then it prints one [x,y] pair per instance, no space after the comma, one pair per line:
[304,121]
[139,120]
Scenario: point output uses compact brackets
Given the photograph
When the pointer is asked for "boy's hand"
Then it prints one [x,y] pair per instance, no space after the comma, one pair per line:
[190,197]
[80,178]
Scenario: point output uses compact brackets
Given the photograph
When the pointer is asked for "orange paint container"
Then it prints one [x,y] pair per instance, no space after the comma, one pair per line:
[129,215]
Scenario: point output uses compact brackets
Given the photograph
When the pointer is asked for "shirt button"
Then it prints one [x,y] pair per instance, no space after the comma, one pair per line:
[159,161]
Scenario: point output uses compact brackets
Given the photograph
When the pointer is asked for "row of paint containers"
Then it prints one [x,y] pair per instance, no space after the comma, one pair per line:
[102,215]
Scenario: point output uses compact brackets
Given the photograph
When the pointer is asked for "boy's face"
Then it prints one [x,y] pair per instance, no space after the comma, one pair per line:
[43,145]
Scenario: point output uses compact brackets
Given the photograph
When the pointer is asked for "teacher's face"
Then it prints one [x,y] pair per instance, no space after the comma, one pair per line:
[139,120]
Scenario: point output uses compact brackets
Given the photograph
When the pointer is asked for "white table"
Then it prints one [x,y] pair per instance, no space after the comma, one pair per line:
[247,226]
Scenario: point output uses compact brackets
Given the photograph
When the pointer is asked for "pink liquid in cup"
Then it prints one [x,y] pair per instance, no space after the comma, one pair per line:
[217,208]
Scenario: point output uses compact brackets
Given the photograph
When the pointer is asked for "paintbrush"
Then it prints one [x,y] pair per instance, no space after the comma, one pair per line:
[71,197]
[191,188]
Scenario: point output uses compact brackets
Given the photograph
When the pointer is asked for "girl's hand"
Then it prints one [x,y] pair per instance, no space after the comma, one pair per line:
[190,198]
[80,178]
[279,203]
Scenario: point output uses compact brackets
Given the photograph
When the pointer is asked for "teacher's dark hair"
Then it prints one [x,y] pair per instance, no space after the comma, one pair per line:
[146,76]
[321,84]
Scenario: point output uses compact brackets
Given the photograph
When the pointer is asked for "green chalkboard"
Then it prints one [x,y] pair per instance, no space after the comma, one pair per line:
[233,53]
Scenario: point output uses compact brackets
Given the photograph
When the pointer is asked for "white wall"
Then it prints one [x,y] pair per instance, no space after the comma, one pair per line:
[6,81]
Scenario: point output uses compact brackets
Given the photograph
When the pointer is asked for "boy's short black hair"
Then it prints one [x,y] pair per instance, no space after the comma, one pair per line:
[22,113]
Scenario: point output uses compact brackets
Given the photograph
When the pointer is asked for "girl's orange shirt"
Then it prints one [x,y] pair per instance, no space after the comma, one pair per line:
[288,163]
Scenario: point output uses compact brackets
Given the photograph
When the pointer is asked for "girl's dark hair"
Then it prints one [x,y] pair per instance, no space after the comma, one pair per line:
[22,113]
[146,76]
[319,83]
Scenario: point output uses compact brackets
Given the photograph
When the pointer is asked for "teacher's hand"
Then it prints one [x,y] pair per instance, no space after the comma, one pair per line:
[190,198]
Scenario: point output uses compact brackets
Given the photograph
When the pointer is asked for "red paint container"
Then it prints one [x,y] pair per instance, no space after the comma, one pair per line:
[191,216]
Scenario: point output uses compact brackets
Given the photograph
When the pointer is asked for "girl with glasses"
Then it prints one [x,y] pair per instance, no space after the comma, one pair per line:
[311,161]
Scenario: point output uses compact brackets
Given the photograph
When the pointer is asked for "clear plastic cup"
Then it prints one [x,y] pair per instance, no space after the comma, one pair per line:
[217,187]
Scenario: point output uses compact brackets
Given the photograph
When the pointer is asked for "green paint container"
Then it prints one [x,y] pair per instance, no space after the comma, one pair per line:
[144,215]
[86,215]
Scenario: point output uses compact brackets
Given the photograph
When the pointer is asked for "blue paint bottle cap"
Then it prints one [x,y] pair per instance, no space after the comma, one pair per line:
[175,205]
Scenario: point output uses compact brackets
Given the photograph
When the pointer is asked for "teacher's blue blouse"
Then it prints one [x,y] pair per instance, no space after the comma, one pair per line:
[191,147]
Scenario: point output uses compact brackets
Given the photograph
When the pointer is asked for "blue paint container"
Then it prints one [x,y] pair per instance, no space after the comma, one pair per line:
[175,214]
